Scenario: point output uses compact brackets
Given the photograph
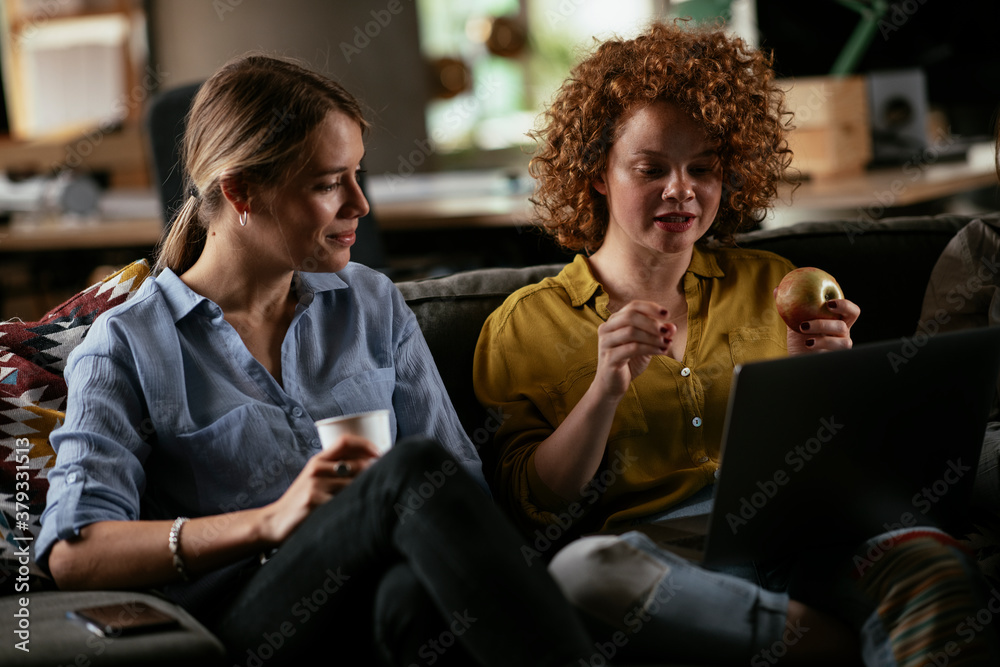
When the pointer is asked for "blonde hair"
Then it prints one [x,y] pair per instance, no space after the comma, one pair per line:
[254,117]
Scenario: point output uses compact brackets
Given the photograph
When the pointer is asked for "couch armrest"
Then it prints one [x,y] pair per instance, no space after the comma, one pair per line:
[56,640]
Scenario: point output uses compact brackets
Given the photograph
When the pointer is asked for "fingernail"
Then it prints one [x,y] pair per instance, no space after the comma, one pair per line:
[832,305]
[810,342]
[663,330]
[663,311]
[805,326]
[666,341]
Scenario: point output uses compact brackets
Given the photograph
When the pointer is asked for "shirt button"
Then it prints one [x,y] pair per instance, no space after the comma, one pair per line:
[703,459]
[296,412]
[685,371]
[71,478]
[314,443]
[696,422]
[717,472]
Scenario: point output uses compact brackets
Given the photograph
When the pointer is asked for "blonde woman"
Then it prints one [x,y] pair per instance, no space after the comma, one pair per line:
[189,459]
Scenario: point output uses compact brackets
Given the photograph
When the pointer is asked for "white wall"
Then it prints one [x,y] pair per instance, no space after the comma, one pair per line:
[191,38]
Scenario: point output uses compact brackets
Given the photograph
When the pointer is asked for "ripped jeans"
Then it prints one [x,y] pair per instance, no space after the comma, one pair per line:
[911,595]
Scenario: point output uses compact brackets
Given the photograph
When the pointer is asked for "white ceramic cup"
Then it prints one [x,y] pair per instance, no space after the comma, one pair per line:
[373,426]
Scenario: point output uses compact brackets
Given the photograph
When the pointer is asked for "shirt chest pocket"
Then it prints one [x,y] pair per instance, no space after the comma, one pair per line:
[630,418]
[215,462]
[368,390]
[748,344]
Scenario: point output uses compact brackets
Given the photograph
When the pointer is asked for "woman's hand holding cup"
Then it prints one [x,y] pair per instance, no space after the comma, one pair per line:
[325,475]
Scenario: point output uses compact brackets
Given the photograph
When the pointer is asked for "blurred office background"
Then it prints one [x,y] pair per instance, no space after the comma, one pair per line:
[452,88]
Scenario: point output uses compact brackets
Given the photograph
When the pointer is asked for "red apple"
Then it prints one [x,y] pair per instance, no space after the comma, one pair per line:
[802,295]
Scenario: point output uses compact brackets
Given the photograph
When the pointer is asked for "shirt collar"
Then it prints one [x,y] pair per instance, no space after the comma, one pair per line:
[581,285]
[182,300]
[307,285]
[704,263]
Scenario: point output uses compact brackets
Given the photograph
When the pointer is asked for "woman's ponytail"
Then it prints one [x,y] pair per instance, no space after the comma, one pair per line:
[179,251]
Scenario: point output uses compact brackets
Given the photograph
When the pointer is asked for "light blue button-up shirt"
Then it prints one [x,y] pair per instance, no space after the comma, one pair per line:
[169,414]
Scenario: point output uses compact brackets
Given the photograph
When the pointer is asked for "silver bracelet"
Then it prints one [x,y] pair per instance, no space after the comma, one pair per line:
[174,542]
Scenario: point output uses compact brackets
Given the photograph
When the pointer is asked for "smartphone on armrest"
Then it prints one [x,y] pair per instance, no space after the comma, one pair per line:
[121,619]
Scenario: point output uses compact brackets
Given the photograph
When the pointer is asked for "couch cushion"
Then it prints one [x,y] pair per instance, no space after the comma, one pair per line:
[451,312]
[882,265]
[32,397]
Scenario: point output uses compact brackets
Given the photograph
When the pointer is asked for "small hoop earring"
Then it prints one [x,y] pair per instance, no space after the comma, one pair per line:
[244,216]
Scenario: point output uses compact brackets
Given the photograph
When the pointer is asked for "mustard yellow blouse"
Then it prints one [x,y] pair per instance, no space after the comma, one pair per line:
[537,355]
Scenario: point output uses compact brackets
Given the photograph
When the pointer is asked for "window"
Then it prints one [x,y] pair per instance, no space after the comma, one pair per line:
[497,63]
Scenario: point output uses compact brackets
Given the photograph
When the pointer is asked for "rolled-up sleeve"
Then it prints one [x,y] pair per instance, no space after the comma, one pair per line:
[513,385]
[100,449]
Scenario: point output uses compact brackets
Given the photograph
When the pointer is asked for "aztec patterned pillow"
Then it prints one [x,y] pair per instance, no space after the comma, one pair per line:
[32,399]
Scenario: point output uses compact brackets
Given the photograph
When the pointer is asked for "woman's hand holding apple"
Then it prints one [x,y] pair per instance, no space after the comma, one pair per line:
[815,311]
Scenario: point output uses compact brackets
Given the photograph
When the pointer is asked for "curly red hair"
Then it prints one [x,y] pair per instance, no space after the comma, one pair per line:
[726,86]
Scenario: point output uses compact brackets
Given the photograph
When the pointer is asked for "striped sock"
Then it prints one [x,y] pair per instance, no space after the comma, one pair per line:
[928,596]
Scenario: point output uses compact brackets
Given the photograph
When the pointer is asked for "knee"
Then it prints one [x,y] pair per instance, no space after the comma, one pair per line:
[607,577]
[416,456]
[417,471]
[926,582]
[418,451]
[920,569]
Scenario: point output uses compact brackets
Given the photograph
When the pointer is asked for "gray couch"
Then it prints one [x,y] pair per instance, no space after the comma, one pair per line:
[870,259]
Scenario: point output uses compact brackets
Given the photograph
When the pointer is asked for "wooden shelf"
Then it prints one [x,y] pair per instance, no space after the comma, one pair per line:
[479,211]
[21,19]
[877,190]
[120,152]
[443,213]
[900,186]
[70,72]
[101,234]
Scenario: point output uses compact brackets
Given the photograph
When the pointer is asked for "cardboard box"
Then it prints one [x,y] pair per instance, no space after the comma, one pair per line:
[832,135]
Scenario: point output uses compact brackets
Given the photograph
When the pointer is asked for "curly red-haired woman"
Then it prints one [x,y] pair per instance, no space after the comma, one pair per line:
[614,374]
